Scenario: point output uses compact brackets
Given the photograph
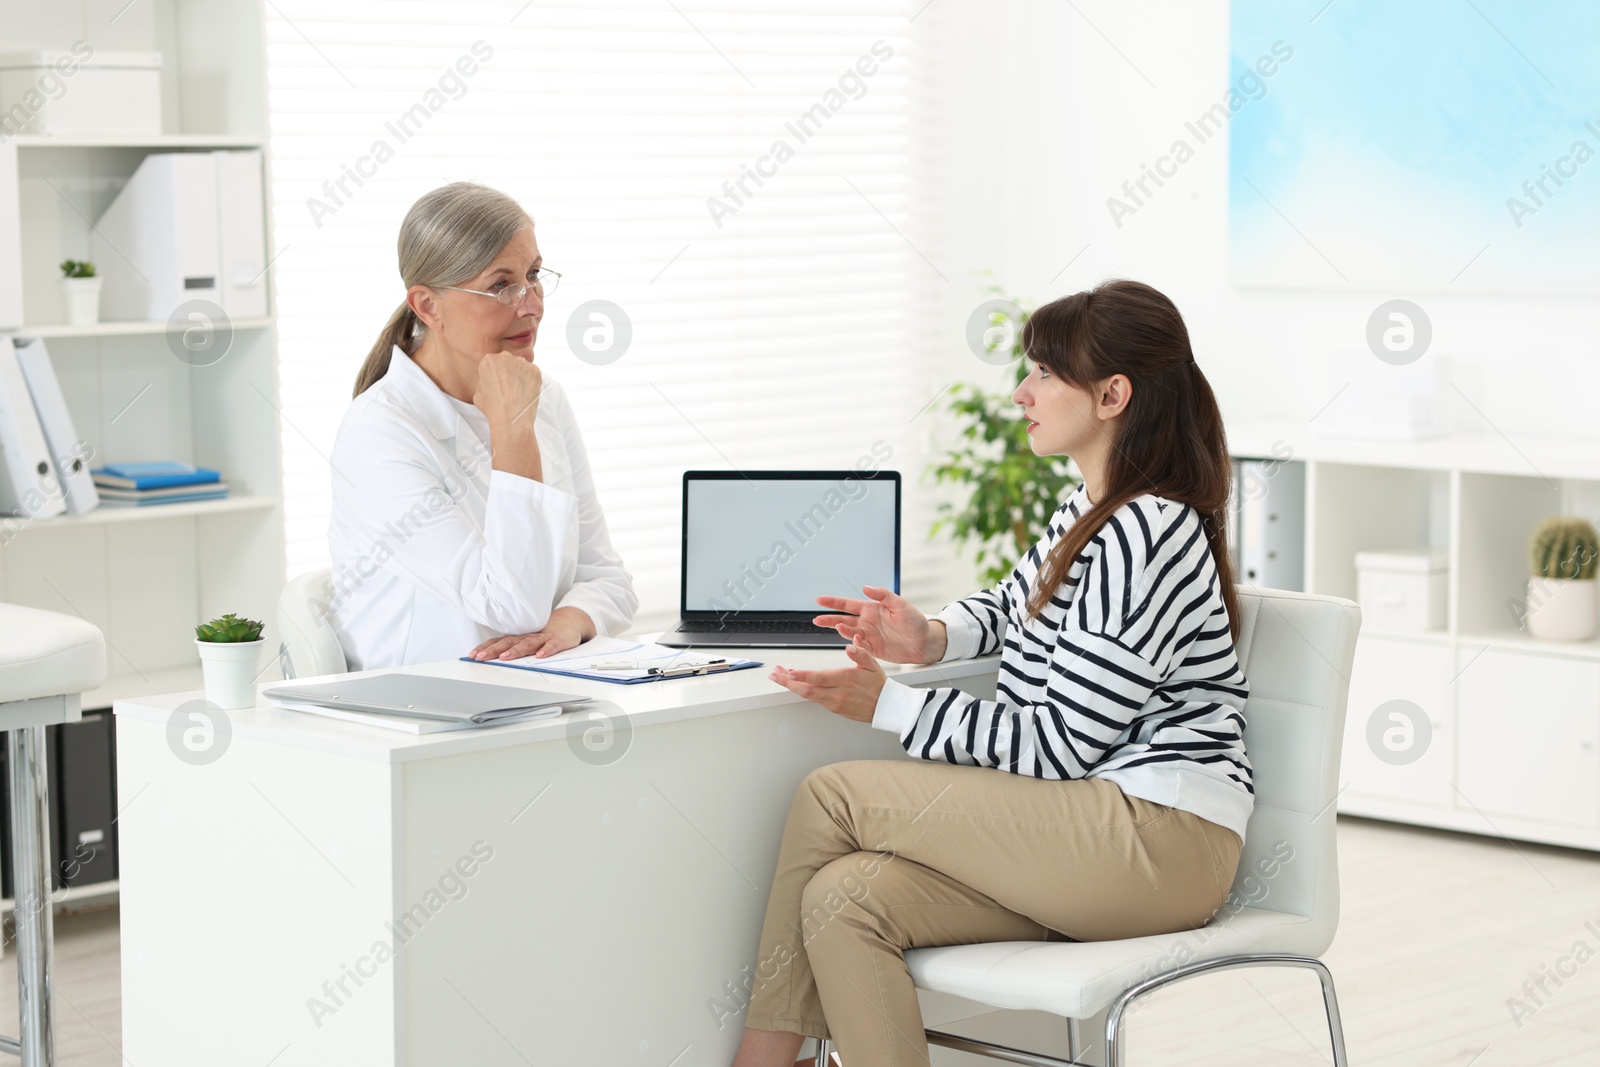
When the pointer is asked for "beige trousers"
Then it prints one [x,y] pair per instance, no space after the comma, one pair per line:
[882,856]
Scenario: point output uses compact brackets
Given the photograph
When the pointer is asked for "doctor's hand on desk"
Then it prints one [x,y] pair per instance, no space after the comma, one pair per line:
[888,626]
[567,628]
[851,693]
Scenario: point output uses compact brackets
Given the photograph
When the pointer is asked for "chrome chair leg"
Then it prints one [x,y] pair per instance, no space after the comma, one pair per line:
[1330,1005]
[30,843]
[1116,1020]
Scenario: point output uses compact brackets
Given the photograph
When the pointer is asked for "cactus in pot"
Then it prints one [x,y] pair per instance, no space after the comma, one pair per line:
[1564,556]
[1566,548]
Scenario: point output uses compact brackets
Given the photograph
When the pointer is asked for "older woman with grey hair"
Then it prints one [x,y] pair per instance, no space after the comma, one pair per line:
[465,518]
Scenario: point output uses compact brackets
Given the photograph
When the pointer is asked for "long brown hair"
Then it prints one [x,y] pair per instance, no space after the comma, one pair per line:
[450,235]
[1169,439]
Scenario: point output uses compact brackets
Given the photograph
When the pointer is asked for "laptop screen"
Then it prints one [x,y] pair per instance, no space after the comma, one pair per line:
[775,541]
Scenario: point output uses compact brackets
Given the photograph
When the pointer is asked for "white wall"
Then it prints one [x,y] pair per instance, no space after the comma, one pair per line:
[1049,120]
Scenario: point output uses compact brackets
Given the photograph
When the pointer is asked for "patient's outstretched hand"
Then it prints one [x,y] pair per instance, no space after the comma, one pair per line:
[888,625]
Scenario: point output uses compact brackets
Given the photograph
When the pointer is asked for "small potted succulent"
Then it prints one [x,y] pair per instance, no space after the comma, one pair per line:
[1565,555]
[80,292]
[230,649]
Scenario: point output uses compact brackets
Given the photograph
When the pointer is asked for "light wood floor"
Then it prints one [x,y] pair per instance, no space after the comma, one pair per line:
[1438,932]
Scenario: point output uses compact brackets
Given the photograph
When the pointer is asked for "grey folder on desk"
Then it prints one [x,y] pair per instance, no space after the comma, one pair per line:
[420,696]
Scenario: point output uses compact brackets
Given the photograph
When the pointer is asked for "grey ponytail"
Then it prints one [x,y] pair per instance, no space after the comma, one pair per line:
[450,235]
[403,324]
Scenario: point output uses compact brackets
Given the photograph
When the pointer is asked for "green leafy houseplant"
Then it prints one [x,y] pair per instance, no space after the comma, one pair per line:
[77,268]
[1013,491]
[1566,548]
[229,629]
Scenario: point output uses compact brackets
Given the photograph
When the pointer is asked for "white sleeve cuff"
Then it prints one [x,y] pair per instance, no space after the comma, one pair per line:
[962,634]
[539,492]
[898,708]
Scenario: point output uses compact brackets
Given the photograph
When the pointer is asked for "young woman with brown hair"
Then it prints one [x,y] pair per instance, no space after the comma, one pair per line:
[1105,792]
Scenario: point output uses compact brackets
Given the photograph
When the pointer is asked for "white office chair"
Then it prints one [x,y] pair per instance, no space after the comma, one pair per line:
[307,644]
[1296,650]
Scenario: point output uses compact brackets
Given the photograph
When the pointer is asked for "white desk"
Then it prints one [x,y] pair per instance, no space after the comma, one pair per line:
[623,899]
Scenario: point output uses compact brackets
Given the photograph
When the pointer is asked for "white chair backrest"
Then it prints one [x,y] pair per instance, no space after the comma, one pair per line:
[309,645]
[1296,650]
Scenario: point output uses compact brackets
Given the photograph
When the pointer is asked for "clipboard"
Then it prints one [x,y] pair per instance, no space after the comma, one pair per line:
[651,662]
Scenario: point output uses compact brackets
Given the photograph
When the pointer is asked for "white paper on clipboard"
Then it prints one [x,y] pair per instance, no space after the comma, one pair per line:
[592,657]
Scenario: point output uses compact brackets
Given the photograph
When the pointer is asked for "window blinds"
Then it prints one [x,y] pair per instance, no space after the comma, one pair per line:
[740,180]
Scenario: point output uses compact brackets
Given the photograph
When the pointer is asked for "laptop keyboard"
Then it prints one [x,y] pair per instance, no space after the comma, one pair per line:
[744,626]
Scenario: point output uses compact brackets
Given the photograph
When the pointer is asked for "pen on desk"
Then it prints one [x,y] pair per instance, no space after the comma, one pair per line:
[684,669]
[692,668]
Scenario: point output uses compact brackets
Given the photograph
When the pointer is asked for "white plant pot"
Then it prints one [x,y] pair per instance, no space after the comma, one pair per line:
[1563,609]
[81,299]
[230,669]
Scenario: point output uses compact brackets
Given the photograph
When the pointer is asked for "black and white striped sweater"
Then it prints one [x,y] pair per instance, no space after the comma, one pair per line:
[1129,673]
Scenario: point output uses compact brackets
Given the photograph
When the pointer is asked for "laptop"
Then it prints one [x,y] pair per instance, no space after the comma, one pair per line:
[759,547]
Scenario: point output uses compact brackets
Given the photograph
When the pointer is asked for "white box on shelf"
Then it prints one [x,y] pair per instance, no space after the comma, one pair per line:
[1402,591]
[81,91]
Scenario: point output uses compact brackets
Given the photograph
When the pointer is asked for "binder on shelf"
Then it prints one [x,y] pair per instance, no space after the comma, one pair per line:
[1272,523]
[67,449]
[28,483]
[241,234]
[186,226]
[83,805]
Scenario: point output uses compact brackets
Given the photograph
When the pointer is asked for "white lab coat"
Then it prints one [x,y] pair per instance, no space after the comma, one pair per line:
[434,552]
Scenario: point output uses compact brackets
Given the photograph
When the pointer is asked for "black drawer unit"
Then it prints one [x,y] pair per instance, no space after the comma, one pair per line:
[83,800]
[83,803]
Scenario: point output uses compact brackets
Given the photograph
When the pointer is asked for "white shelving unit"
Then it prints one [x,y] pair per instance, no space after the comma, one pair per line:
[1515,721]
[144,576]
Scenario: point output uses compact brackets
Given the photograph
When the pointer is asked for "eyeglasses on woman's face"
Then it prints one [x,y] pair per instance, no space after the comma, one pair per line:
[512,295]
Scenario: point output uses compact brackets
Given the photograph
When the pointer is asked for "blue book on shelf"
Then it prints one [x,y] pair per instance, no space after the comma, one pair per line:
[162,475]
[146,502]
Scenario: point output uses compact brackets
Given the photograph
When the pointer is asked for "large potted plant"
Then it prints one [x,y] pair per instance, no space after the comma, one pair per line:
[1013,492]
[230,649]
[1564,554]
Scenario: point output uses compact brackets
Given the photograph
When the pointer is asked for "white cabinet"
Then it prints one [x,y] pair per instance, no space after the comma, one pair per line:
[1512,723]
[1399,734]
[1529,735]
